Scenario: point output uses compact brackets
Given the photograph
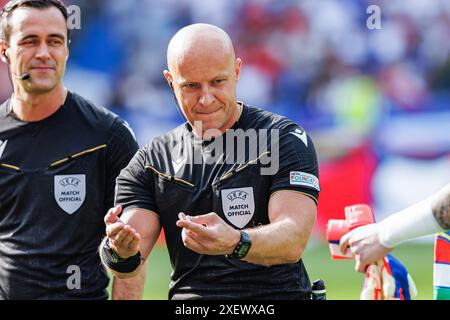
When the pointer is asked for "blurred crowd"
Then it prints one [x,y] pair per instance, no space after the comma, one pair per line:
[376,102]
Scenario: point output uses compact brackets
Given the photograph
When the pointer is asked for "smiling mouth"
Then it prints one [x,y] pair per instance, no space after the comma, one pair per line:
[208,113]
[42,68]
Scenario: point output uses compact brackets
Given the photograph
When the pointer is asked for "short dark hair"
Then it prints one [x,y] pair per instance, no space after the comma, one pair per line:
[8,9]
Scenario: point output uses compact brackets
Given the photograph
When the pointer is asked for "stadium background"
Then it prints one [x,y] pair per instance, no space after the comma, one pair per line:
[376,102]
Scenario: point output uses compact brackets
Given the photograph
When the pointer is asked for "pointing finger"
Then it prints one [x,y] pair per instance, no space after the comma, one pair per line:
[192,226]
[205,219]
[182,216]
[112,214]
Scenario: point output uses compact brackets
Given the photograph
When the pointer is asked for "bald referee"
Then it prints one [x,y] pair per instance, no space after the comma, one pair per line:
[59,158]
[233,229]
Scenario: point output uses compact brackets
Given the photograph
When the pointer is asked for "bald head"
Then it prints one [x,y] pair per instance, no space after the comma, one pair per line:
[203,73]
[197,40]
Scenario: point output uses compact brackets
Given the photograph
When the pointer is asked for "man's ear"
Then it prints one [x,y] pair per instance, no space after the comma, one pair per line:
[238,69]
[169,78]
[3,53]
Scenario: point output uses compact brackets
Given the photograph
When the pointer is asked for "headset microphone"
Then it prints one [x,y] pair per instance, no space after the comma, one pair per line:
[24,76]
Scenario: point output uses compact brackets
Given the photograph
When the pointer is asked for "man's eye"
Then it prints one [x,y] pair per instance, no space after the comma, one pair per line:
[55,42]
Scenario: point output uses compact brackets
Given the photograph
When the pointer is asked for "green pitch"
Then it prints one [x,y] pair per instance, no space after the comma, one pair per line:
[342,282]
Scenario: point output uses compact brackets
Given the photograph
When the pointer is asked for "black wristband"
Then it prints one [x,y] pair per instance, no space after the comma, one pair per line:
[114,262]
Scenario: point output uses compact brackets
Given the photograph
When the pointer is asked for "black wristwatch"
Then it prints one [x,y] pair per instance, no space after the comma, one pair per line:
[242,248]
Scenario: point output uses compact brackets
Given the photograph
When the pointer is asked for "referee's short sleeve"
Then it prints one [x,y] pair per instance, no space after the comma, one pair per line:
[135,185]
[298,166]
[121,148]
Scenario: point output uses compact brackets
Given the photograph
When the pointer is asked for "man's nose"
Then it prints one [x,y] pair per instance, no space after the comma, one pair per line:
[42,52]
[207,96]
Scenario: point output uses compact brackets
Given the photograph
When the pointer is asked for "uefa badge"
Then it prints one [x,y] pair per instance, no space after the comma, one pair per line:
[70,192]
[238,205]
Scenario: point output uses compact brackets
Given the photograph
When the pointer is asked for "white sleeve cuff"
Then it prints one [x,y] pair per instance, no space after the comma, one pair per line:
[412,222]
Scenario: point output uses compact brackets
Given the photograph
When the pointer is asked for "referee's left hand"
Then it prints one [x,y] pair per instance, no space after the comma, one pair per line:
[123,239]
[208,234]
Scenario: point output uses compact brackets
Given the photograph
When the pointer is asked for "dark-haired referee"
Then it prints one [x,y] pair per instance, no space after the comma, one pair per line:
[59,158]
[233,230]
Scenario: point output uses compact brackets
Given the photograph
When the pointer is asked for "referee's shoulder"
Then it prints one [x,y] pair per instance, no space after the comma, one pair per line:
[98,116]
[271,121]
[165,140]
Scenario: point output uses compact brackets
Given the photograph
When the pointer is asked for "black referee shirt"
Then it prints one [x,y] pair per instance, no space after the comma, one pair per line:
[57,179]
[167,178]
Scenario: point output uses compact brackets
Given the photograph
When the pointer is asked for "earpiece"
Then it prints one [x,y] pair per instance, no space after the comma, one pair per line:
[23,76]
[5,58]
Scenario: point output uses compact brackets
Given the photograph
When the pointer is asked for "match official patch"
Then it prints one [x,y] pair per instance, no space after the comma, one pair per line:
[238,205]
[298,178]
[70,192]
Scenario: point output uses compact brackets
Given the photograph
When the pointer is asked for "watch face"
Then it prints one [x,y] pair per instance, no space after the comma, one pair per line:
[242,247]
[243,250]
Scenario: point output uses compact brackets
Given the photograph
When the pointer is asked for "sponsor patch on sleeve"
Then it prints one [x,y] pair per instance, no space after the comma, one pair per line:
[298,178]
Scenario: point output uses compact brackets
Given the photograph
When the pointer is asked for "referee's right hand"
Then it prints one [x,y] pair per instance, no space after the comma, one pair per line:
[123,239]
